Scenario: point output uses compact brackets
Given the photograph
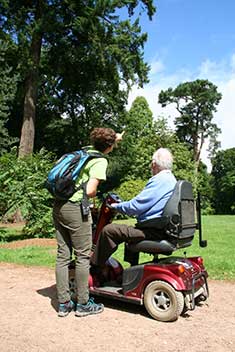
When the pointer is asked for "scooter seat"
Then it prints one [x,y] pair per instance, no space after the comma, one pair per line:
[153,247]
[176,225]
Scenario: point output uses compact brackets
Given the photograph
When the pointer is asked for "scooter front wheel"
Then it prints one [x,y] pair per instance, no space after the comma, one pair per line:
[162,301]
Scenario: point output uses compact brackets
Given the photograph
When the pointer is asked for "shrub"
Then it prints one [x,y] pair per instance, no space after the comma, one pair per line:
[22,187]
[130,188]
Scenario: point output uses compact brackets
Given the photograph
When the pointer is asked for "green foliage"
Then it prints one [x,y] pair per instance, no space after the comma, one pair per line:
[223,181]
[141,118]
[21,187]
[8,82]
[196,102]
[132,160]
[128,161]
[139,139]
[205,189]
[129,189]
[99,56]
[183,167]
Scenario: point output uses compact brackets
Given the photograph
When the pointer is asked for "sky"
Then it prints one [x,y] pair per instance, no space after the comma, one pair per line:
[189,40]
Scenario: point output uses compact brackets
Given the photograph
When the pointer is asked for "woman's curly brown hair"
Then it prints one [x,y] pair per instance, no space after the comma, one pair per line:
[102,138]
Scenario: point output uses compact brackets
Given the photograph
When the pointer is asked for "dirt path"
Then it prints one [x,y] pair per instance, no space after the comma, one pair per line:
[29,323]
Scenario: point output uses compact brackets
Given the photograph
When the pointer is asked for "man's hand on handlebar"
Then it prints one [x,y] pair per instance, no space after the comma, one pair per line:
[110,206]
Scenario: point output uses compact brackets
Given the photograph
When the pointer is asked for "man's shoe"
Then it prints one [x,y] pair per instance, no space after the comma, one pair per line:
[97,273]
[65,308]
[91,307]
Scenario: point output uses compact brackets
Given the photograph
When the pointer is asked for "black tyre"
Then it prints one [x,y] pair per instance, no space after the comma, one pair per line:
[162,301]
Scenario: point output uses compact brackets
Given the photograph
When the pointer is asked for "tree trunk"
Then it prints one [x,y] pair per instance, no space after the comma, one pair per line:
[28,127]
[31,88]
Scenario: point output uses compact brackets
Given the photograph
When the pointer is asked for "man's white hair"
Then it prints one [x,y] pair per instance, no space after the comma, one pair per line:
[163,158]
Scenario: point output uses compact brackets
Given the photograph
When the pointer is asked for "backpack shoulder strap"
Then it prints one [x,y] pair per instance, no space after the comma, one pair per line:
[92,153]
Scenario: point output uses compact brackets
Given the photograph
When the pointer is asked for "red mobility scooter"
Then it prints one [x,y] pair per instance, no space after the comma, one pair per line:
[167,286]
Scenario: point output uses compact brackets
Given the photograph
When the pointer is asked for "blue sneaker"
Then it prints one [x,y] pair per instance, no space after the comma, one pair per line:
[91,307]
[65,308]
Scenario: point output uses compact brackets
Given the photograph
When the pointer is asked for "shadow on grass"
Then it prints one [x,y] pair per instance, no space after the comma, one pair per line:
[8,237]
[14,233]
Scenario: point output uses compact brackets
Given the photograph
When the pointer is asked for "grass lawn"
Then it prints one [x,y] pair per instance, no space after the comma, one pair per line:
[218,230]
[41,256]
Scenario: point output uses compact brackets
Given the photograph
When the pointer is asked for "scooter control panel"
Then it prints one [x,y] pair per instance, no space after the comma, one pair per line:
[113,198]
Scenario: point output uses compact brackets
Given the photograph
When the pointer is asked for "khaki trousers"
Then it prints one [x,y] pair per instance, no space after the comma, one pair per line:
[73,235]
[113,234]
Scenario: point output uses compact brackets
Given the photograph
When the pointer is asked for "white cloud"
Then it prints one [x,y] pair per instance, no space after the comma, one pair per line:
[233,62]
[156,67]
[225,115]
[222,74]
[213,70]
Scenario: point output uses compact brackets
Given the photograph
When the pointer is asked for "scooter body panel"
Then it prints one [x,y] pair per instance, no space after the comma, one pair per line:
[183,274]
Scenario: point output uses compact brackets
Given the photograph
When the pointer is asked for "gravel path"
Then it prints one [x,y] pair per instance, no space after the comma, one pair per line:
[29,323]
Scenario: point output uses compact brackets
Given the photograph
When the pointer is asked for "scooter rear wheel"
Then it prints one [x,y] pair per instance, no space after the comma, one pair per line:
[162,301]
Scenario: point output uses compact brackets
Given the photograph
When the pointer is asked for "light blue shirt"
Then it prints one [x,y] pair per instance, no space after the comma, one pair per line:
[150,202]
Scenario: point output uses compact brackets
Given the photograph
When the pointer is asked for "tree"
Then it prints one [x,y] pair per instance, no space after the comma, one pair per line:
[196,102]
[95,52]
[143,136]
[165,137]
[139,131]
[204,187]
[134,152]
[8,82]
[223,181]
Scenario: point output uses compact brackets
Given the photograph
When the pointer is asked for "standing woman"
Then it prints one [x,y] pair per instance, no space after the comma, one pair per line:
[74,231]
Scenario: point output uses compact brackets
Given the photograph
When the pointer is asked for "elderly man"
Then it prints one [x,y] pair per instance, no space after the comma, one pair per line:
[148,204]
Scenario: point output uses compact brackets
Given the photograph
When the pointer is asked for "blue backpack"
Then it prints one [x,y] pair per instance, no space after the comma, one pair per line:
[61,179]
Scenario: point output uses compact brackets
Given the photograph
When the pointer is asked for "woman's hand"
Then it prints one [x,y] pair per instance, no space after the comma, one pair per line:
[119,136]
